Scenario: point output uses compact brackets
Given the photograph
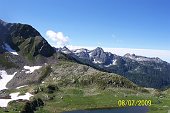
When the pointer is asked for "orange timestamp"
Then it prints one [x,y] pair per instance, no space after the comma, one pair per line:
[124,103]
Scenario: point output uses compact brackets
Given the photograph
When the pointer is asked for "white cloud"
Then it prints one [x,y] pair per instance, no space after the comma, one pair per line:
[163,54]
[58,38]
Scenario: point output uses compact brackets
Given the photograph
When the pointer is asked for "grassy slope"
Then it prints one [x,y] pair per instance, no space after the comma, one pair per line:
[87,98]
[74,97]
[4,61]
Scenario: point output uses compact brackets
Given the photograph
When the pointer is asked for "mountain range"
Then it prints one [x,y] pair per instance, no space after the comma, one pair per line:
[58,78]
[144,71]
[21,44]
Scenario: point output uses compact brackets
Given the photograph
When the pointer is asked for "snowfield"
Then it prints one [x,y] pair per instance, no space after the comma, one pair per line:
[5,79]
[30,69]
[14,96]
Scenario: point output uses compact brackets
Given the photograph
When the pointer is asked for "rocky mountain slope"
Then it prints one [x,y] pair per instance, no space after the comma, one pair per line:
[22,51]
[144,71]
[23,40]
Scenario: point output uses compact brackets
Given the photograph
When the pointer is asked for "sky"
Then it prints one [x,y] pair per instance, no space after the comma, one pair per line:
[130,24]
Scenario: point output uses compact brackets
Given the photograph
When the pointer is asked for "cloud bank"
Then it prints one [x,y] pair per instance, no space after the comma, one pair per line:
[163,54]
[57,38]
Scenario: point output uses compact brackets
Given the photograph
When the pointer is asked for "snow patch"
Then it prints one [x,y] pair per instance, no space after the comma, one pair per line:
[14,96]
[42,82]
[5,79]
[97,62]
[114,62]
[30,69]
[66,52]
[8,48]
[143,59]
[21,86]
[90,54]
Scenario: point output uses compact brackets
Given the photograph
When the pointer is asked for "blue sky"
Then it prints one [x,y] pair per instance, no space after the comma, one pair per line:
[139,24]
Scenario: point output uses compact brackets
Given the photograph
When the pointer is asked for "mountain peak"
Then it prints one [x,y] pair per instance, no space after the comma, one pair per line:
[99,49]
[80,50]
[65,50]
[65,47]
[3,22]
[143,58]
[24,39]
[97,52]
[129,55]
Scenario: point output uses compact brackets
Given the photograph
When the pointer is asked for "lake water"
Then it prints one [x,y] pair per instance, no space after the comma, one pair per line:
[135,109]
